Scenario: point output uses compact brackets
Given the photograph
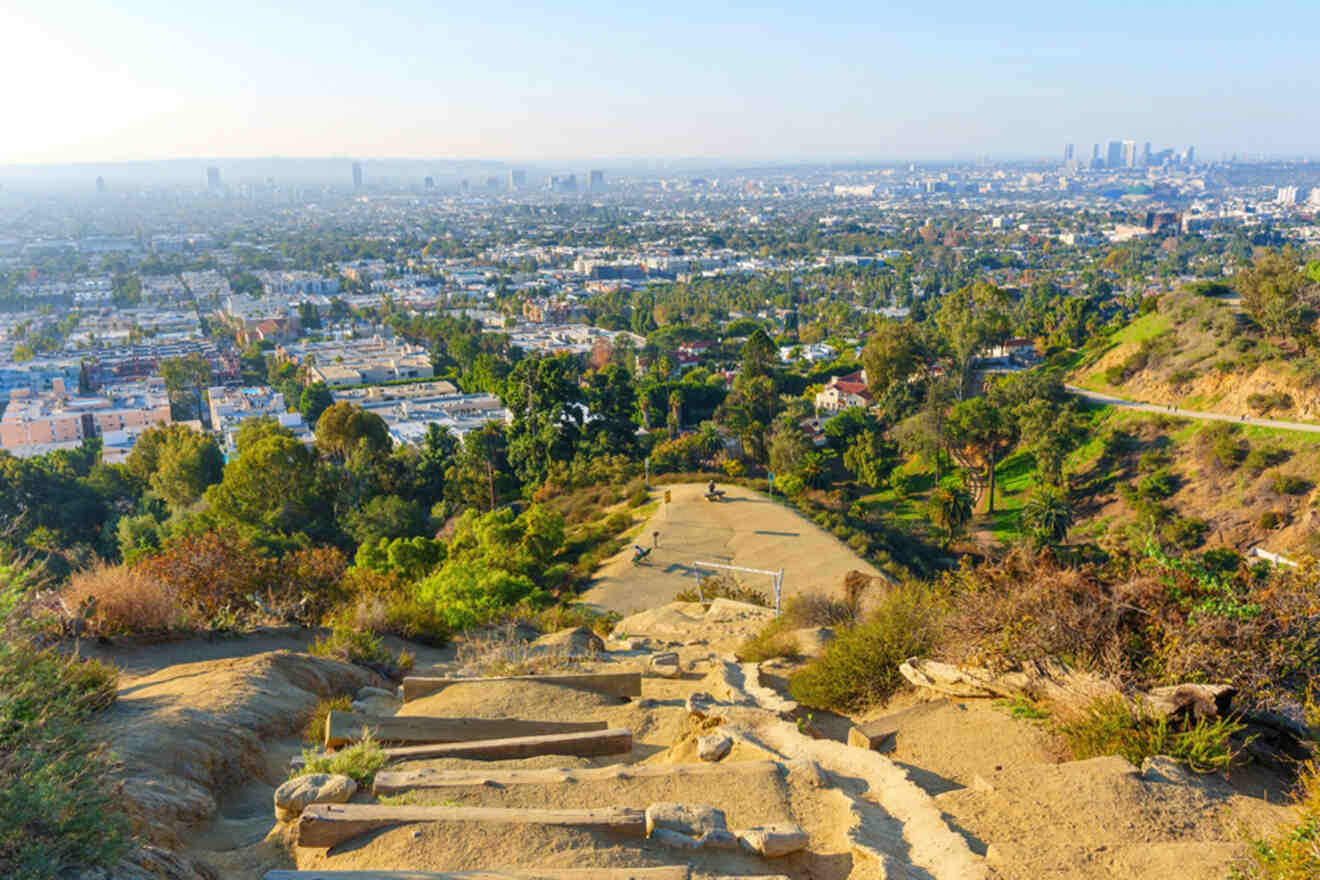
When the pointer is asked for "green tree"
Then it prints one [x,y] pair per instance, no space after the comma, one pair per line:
[312,402]
[1047,516]
[950,509]
[186,466]
[545,400]
[788,447]
[612,398]
[980,433]
[893,353]
[866,458]
[969,319]
[272,487]
[383,518]
[1279,296]
[481,474]
[186,378]
[344,426]
[758,354]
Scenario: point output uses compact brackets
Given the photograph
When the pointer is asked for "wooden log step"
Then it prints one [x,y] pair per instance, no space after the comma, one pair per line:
[342,728]
[397,781]
[325,825]
[617,741]
[668,872]
[620,684]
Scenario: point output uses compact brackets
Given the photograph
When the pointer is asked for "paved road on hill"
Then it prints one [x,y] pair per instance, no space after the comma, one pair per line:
[1109,400]
[747,529]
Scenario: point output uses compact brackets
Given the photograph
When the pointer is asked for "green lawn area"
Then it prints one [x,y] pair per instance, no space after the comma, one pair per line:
[1143,328]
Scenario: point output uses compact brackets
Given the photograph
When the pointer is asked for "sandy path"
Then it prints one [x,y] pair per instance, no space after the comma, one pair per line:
[747,529]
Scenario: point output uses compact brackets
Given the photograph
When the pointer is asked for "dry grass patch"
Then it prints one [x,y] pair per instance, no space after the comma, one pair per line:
[119,600]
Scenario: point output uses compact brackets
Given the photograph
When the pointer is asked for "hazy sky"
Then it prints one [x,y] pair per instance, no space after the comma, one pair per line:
[91,80]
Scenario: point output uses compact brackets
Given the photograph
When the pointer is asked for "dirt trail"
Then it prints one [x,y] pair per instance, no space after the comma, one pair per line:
[746,529]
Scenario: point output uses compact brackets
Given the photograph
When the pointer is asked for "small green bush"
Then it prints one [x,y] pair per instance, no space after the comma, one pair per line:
[771,642]
[314,732]
[359,762]
[363,648]
[1261,458]
[1158,485]
[722,587]
[860,667]
[1272,519]
[1113,726]
[1287,484]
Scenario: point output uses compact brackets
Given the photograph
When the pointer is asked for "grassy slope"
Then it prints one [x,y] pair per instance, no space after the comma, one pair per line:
[1232,501]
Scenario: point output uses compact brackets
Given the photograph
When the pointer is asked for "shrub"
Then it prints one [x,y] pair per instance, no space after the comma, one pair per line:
[791,485]
[359,762]
[59,809]
[314,732]
[860,666]
[1158,485]
[126,601]
[1113,726]
[1264,404]
[722,587]
[734,467]
[1287,484]
[771,642]
[1272,519]
[1185,532]
[356,646]
[1262,457]
[472,592]
[1292,852]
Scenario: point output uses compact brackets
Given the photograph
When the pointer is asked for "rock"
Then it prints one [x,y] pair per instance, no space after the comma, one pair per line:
[694,820]
[1194,700]
[773,841]
[367,693]
[675,839]
[720,838]
[298,793]
[1048,680]
[713,746]
[1169,771]
[181,732]
[376,706]
[881,734]
[665,665]
[700,703]
[576,642]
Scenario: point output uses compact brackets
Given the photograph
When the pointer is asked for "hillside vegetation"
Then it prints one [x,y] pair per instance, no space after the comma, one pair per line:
[1200,349]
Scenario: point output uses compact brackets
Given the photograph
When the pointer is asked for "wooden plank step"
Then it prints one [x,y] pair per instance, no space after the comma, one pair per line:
[668,872]
[397,781]
[342,728]
[616,741]
[620,684]
[325,825]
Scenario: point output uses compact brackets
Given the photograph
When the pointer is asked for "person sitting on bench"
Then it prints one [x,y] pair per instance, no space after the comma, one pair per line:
[713,494]
[640,553]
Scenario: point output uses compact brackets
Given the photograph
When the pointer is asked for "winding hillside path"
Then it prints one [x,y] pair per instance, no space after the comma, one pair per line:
[746,529]
[1109,400]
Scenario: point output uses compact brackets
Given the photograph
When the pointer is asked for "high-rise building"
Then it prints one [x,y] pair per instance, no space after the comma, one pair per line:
[1068,153]
[1287,195]
[1145,154]
[357,175]
[429,182]
[1191,155]
[464,186]
[517,179]
[1114,154]
[492,184]
[100,184]
[1129,154]
[213,179]
[597,181]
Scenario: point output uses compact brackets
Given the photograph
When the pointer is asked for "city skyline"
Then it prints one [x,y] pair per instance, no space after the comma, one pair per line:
[146,80]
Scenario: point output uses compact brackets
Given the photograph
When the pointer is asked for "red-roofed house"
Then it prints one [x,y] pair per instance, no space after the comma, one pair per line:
[842,392]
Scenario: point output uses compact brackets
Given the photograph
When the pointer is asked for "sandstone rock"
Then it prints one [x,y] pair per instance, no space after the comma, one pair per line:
[576,642]
[675,839]
[1194,700]
[720,838]
[367,693]
[184,732]
[298,793]
[700,703]
[693,820]
[773,841]
[713,746]
[376,706]
[665,665]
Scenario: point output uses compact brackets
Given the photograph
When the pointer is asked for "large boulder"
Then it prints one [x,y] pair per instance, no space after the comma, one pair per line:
[665,665]
[301,792]
[713,746]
